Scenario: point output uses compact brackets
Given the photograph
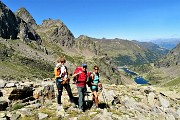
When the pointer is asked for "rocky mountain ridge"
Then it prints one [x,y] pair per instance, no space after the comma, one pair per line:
[154,48]
[57,32]
[13,27]
[168,43]
[26,16]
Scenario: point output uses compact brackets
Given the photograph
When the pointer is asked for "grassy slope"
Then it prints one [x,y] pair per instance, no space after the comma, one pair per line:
[17,63]
[174,82]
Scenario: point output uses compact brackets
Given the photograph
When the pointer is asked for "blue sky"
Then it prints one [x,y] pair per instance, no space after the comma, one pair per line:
[126,19]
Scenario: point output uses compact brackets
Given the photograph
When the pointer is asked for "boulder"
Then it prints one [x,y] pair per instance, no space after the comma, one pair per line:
[19,94]
[11,84]
[3,105]
[164,102]
[2,83]
[1,94]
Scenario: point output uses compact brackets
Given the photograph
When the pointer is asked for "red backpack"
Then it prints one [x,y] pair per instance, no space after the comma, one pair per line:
[81,78]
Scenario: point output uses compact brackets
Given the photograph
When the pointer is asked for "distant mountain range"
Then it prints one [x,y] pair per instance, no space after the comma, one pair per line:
[159,51]
[169,43]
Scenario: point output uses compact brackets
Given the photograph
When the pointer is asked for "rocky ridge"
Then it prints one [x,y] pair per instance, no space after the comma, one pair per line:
[57,32]
[26,16]
[84,42]
[13,27]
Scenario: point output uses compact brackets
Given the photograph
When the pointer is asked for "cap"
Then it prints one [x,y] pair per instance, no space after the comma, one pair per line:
[84,65]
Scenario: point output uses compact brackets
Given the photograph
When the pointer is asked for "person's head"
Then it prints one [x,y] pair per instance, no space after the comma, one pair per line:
[84,66]
[96,69]
[61,60]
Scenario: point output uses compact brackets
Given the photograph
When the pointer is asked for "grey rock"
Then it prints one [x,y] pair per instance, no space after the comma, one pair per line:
[42,116]
[151,97]
[15,116]
[178,112]
[19,94]
[164,102]
[170,117]
[3,105]
[2,83]
[11,84]
[148,90]
[25,112]
[2,115]
[1,94]
[105,115]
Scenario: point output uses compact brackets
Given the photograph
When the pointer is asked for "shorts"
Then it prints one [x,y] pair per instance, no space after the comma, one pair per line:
[95,89]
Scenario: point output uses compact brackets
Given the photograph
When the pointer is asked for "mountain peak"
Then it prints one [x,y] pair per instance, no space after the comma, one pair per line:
[8,23]
[26,16]
[57,32]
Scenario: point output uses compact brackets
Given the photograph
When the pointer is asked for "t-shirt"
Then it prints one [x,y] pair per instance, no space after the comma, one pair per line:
[63,72]
[81,78]
[95,81]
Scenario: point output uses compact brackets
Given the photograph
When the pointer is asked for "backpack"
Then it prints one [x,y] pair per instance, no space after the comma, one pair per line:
[89,79]
[80,77]
[57,72]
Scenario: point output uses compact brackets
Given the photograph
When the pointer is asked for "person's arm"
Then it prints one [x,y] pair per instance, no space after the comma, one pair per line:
[68,74]
[99,83]
[74,75]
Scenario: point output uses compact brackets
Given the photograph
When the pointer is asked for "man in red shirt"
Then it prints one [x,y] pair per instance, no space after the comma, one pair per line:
[80,75]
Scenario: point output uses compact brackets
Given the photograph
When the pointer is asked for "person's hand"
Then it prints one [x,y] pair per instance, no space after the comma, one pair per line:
[79,72]
[100,85]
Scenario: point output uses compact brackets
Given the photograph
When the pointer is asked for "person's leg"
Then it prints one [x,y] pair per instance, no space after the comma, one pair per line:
[68,89]
[96,98]
[60,88]
[80,101]
[84,90]
[93,98]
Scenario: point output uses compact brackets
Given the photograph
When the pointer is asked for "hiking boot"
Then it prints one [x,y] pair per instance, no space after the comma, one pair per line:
[80,111]
[95,107]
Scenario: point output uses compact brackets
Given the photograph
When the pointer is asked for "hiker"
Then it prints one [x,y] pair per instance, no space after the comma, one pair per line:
[80,77]
[95,83]
[62,80]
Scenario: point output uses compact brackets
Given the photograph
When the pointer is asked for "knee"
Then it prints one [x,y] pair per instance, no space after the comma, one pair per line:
[96,97]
